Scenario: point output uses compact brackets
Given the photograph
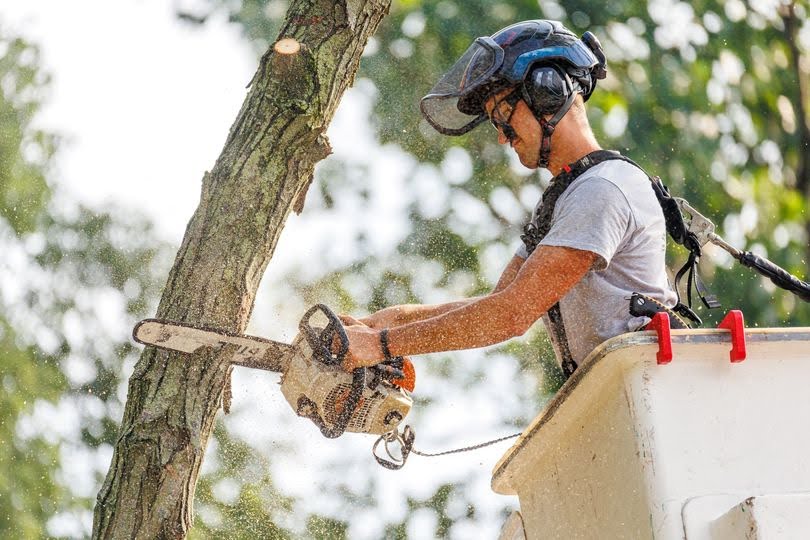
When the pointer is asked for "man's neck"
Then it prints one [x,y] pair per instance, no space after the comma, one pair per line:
[567,152]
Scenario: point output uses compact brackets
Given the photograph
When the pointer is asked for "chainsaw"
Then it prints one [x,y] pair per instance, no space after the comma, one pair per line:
[368,400]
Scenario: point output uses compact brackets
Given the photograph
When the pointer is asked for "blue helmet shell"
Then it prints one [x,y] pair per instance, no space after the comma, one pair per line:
[455,104]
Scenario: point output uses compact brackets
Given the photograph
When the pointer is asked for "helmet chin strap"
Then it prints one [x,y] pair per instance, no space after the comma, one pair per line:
[547,128]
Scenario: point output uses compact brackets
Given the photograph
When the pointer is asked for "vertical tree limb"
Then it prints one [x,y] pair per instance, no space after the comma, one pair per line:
[264,168]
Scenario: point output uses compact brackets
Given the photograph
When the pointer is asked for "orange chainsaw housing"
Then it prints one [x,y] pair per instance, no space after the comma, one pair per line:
[408,382]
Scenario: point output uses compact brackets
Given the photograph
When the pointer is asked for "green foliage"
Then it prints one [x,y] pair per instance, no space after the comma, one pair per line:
[536,356]
[707,95]
[25,465]
[439,503]
[76,274]
[325,528]
[238,500]
[433,239]
[24,151]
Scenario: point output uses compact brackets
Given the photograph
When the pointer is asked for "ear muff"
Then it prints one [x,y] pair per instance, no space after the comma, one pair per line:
[549,91]
[546,89]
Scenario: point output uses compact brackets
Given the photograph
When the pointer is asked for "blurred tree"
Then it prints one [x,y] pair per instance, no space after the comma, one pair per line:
[26,468]
[24,150]
[262,173]
[714,98]
[238,499]
[67,274]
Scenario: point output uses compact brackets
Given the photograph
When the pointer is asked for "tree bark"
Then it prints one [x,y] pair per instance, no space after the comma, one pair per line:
[262,174]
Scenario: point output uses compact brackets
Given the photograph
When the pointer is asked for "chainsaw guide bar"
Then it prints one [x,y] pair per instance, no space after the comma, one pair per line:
[250,351]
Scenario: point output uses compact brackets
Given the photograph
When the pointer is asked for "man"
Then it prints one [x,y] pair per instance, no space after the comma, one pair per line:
[597,237]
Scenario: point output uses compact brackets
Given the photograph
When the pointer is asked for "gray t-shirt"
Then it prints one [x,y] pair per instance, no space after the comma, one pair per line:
[610,210]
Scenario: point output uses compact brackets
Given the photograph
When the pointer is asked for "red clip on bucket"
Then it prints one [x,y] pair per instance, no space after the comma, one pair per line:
[660,323]
[733,322]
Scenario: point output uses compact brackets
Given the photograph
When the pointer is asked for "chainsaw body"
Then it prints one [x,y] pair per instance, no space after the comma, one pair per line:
[321,392]
[368,400]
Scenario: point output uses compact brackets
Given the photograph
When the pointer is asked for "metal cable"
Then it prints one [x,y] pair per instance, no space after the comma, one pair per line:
[466,448]
[406,439]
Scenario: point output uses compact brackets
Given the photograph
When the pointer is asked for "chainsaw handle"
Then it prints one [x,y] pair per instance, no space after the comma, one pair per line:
[321,340]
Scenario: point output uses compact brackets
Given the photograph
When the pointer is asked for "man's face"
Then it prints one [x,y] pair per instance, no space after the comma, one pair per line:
[515,124]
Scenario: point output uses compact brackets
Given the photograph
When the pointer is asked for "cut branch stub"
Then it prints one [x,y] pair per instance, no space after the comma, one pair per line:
[286,46]
[291,82]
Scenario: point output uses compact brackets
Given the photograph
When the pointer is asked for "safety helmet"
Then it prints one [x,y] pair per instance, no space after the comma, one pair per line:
[545,59]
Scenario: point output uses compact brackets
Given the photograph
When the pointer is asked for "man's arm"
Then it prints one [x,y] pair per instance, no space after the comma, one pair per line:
[538,284]
[408,313]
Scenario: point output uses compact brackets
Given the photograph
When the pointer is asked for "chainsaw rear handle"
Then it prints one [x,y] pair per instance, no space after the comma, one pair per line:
[321,341]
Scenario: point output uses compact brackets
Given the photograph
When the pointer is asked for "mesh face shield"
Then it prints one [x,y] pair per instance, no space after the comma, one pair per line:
[471,72]
[454,105]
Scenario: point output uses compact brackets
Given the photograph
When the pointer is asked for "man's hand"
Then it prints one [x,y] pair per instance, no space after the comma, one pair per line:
[365,348]
[348,320]
[356,333]
[360,339]
[384,318]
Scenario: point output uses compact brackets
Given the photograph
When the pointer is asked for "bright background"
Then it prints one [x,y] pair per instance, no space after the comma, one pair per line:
[144,104]
[706,96]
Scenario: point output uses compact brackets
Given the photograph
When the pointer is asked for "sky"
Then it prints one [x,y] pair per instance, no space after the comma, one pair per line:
[144,103]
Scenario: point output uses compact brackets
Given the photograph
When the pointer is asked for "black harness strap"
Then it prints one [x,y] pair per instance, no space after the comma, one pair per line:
[677,229]
[540,224]
[538,228]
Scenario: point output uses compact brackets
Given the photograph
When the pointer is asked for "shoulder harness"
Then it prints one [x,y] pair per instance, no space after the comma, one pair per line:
[537,228]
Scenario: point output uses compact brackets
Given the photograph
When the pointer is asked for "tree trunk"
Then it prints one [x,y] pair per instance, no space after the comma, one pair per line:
[262,174]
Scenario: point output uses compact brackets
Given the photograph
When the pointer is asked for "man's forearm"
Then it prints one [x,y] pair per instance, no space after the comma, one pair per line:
[479,322]
[408,313]
[501,315]
[540,282]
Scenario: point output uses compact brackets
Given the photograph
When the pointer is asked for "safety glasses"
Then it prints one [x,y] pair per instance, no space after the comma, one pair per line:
[501,114]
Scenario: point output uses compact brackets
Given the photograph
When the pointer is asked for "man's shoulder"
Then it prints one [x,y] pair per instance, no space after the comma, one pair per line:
[609,180]
[616,185]
[627,180]
[619,172]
